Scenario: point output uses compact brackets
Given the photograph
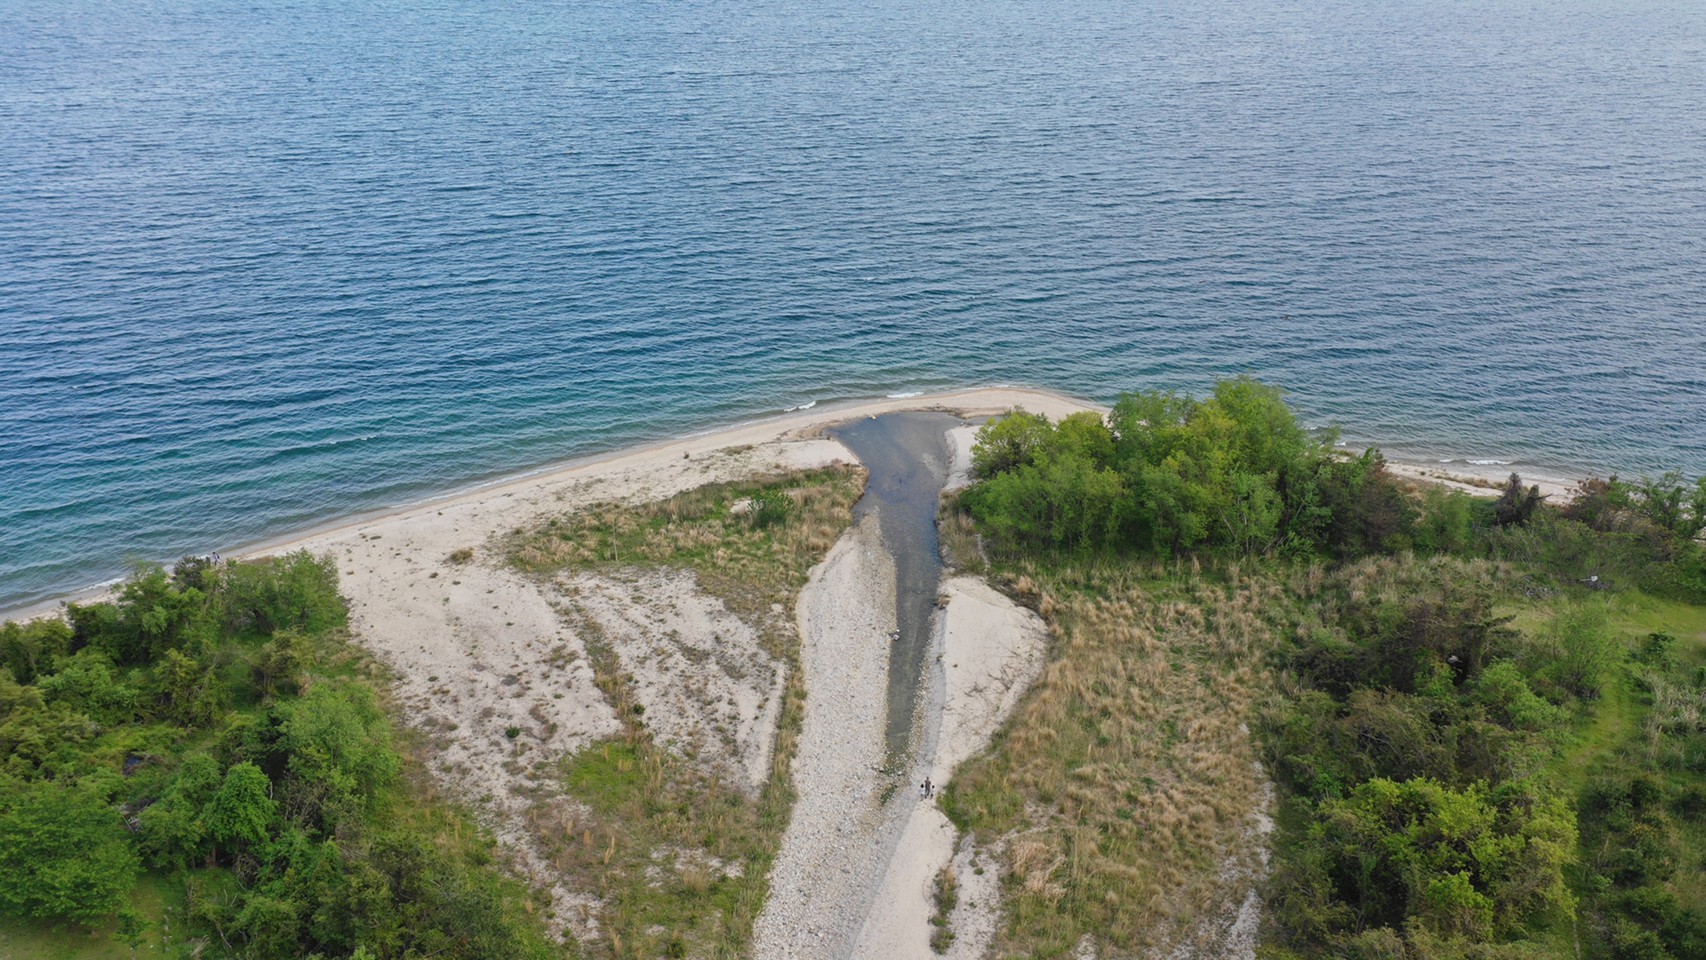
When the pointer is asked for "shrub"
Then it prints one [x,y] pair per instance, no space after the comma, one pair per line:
[64,853]
[770,507]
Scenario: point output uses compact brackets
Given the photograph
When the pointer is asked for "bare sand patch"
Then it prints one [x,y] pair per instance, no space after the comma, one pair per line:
[835,848]
[1480,480]
[992,651]
[960,442]
[709,690]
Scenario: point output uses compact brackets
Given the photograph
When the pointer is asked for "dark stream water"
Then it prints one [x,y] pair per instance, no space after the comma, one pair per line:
[907,455]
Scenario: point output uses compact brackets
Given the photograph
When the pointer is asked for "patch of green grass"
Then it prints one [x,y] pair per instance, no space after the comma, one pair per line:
[42,940]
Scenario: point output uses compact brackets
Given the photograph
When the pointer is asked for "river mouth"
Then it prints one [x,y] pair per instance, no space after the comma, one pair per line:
[907,456]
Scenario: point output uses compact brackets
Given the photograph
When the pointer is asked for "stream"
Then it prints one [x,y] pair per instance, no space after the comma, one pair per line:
[907,455]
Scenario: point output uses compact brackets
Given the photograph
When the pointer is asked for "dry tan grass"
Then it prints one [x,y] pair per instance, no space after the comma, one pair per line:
[1128,775]
[958,540]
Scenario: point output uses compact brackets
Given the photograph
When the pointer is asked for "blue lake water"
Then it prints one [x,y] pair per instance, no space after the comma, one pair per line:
[266,264]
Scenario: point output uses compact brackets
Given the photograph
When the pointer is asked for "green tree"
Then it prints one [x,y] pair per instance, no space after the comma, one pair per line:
[153,615]
[1697,508]
[16,696]
[87,683]
[1516,505]
[186,691]
[1084,435]
[1664,503]
[1009,441]
[1582,648]
[1503,690]
[242,812]
[281,660]
[1368,512]
[297,591]
[30,649]
[175,831]
[1472,863]
[52,737]
[64,853]
[339,747]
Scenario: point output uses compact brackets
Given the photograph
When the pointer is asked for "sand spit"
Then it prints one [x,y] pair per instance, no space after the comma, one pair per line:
[989,652]
[837,843]
[478,649]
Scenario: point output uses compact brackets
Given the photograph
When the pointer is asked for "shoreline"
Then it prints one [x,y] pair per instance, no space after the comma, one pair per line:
[1459,474]
[797,423]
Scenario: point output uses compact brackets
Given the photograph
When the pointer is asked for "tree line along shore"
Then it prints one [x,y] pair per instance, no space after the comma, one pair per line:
[1475,726]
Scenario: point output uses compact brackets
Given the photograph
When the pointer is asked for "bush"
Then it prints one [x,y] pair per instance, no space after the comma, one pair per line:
[770,507]
[64,853]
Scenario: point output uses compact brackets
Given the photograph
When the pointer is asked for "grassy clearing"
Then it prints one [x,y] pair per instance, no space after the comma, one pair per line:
[1125,777]
[1647,727]
[43,940]
[681,859]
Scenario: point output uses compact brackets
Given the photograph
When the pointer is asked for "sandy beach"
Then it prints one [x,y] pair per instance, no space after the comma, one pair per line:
[478,650]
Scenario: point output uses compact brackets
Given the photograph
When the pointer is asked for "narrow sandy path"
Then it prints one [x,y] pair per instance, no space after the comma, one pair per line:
[837,843]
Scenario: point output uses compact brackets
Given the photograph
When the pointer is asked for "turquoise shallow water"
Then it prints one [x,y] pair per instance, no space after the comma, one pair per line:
[268,265]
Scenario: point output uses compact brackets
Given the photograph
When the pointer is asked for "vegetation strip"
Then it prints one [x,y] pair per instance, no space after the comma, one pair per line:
[1484,717]
[205,766]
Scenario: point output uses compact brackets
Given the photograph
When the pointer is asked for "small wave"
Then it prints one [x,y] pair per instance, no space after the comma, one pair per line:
[907,395]
[1480,463]
[804,406]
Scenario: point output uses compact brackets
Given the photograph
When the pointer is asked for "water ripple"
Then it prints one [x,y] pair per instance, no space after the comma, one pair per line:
[265,267]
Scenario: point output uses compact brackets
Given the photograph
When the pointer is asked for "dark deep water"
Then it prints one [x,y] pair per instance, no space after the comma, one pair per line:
[907,455]
[268,264]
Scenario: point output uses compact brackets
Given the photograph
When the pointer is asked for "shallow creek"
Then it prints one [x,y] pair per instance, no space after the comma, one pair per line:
[907,455]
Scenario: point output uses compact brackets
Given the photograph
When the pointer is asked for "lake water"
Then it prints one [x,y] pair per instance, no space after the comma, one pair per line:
[262,265]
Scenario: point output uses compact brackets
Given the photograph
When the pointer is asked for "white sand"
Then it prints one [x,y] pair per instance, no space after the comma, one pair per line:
[988,653]
[960,440]
[1474,479]
[710,691]
[836,843]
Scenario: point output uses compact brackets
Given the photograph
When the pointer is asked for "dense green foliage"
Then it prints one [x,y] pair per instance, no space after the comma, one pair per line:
[1415,755]
[209,726]
[1167,473]
[1483,746]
